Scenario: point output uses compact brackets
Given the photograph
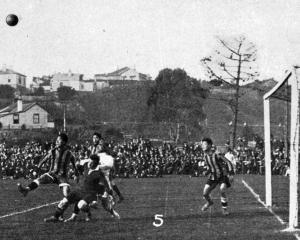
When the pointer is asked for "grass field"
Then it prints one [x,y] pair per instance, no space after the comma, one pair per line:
[177,198]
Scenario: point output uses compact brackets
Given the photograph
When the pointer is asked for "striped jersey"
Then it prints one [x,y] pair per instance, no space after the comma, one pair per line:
[95,149]
[60,158]
[218,166]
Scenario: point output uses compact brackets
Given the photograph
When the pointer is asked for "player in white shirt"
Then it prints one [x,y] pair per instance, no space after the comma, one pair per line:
[231,157]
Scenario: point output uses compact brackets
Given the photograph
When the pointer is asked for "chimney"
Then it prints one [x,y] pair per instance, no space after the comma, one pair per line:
[19,105]
[4,68]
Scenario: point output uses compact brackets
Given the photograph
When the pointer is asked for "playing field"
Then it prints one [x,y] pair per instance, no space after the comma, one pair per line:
[177,198]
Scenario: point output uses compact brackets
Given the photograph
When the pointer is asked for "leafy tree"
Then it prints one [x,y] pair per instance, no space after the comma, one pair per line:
[233,64]
[65,93]
[177,98]
[7,91]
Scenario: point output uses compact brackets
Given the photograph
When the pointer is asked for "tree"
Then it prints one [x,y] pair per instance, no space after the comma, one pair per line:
[233,63]
[7,91]
[176,98]
[39,91]
[65,93]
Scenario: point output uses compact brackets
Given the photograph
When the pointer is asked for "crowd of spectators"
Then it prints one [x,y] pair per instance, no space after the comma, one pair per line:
[141,158]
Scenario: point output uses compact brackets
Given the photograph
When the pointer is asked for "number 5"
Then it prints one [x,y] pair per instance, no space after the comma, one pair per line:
[158,217]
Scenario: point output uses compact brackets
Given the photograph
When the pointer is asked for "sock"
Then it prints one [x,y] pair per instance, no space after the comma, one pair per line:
[32,186]
[59,212]
[76,209]
[116,189]
[224,202]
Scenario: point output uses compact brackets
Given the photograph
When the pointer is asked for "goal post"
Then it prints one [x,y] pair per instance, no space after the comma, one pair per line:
[294,154]
[278,92]
[267,135]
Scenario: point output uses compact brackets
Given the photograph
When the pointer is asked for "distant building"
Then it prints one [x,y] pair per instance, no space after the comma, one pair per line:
[12,78]
[43,82]
[87,85]
[66,79]
[25,116]
[73,80]
[121,76]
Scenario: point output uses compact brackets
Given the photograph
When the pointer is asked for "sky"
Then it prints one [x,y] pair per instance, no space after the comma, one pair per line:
[99,36]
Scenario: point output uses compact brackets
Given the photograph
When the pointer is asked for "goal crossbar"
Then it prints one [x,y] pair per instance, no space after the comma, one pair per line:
[279,92]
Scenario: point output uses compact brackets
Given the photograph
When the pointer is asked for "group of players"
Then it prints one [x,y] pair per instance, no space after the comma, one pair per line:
[98,183]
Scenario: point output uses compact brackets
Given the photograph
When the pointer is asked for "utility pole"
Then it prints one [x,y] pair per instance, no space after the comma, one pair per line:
[64,118]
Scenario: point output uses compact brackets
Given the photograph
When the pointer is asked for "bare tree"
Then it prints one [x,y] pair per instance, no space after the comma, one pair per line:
[232,63]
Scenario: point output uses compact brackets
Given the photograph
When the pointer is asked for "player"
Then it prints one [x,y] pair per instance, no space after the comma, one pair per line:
[231,157]
[106,162]
[85,195]
[60,157]
[220,172]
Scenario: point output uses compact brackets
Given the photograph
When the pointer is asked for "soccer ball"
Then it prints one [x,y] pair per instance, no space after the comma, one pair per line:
[12,20]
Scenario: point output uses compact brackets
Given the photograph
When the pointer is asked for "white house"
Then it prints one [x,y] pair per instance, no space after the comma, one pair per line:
[87,85]
[66,79]
[73,80]
[12,78]
[24,115]
[124,75]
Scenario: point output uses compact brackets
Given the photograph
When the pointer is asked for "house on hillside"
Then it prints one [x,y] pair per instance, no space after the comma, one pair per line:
[87,85]
[25,116]
[66,79]
[12,78]
[73,80]
[121,76]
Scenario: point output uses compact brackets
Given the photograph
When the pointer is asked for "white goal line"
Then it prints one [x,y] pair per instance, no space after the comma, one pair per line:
[257,197]
[28,210]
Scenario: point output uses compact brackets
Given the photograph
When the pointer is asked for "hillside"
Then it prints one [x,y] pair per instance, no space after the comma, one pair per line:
[125,109]
[219,114]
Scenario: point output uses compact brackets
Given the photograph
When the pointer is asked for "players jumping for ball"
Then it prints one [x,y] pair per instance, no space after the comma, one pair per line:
[220,172]
[99,147]
[94,184]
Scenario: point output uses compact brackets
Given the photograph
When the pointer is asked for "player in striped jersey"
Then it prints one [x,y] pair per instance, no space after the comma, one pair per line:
[82,197]
[220,172]
[60,158]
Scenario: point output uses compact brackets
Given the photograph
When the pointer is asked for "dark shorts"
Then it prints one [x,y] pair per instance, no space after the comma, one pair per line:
[48,178]
[223,179]
[77,195]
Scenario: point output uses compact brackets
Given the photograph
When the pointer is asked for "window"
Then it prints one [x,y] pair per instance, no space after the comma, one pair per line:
[16,118]
[8,80]
[36,118]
